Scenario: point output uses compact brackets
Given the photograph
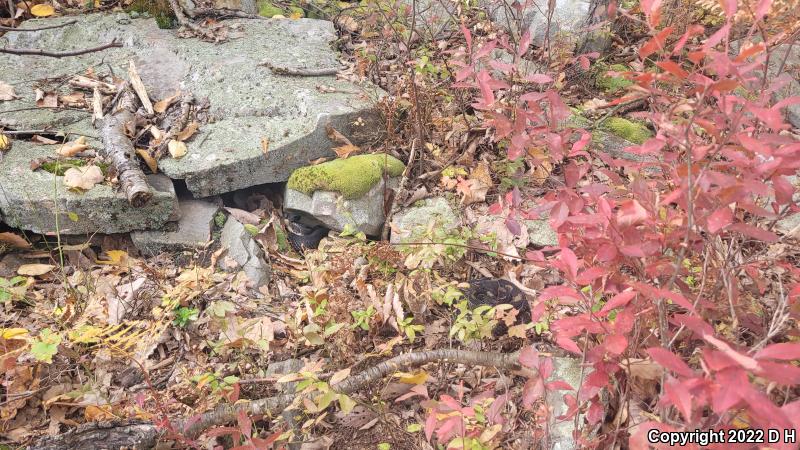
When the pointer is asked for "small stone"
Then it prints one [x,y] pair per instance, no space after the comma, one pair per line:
[410,223]
[193,230]
[244,253]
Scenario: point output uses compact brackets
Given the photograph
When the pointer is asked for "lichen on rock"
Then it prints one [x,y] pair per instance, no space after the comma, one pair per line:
[351,177]
[635,132]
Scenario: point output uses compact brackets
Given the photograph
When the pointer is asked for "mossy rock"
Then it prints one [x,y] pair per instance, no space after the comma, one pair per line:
[635,132]
[612,84]
[351,177]
[158,9]
[268,9]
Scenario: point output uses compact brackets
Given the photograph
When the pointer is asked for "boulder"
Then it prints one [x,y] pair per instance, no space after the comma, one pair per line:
[267,114]
[192,231]
[411,223]
[38,201]
[344,193]
[243,253]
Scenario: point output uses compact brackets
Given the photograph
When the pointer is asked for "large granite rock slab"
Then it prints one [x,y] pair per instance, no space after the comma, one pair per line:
[263,121]
[38,200]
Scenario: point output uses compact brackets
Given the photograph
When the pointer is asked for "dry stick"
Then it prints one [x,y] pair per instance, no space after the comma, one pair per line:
[138,87]
[400,191]
[40,52]
[274,405]
[186,22]
[118,148]
[186,109]
[49,27]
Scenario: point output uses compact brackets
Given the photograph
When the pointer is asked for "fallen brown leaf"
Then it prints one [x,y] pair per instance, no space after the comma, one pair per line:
[177,149]
[151,162]
[73,148]
[346,150]
[83,177]
[162,105]
[188,132]
[34,270]
[7,92]
[14,240]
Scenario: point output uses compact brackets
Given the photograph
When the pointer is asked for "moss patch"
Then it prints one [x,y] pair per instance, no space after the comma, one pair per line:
[635,132]
[351,177]
[267,9]
[612,84]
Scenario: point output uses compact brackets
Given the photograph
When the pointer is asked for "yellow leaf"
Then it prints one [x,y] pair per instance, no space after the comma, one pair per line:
[115,257]
[98,413]
[151,162]
[34,270]
[5,142]
[296,15]
[411,378]
[43,10]
[13,333]
[176,148]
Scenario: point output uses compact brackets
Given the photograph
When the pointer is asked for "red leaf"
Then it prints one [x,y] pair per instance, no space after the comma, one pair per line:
[430,425]
[533,390]
[570,262]
[558,214]
[651,9]
[673,68]
[619,300]
[719,219]
[539,78]
[468,37]
[754,232]
[524,43]
[568,345]
[670,361]
[655,43]
[607,252]
[630,213]
[483,78]
[559,385]
[680,397]
[762,8]
[616,344]
[529,357]
[786,351]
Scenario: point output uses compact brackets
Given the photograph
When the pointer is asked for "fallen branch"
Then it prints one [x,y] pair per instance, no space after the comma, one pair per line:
[40,52]
[275,405]
[118,149]
[49,27]
[138,434]
[187,23]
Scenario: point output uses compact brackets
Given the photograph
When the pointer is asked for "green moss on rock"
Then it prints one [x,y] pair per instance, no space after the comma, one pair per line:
[351,177]
[635,132]
[267,9]
[609,83]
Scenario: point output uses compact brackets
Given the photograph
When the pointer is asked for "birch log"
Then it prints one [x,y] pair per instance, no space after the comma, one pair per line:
[118,149]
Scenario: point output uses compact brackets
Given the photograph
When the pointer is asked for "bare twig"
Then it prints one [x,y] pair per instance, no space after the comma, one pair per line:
[400,191]
[324,72]
[138,87]
[49,27]
[40,52]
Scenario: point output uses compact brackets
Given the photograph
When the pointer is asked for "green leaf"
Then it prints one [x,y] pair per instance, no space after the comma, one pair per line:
[413,428]
[45,346]
[332,329]
[72,216]
[326,399]
[384,446]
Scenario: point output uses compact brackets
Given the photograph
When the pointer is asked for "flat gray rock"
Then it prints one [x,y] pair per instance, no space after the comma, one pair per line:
[250,105]
[411,223]
[38,200]
[243,252]
[192,231]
